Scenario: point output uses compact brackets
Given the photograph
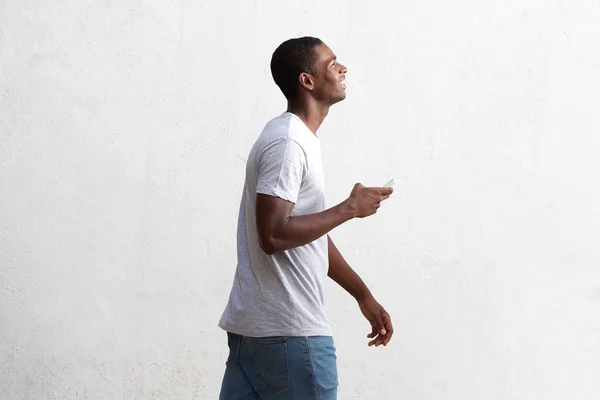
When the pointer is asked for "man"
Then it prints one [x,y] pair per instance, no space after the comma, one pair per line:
[278,335]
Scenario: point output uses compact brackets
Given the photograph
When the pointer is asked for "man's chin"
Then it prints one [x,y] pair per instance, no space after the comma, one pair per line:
[339,98]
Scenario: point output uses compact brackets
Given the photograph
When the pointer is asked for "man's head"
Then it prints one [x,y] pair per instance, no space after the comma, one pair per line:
[307,65]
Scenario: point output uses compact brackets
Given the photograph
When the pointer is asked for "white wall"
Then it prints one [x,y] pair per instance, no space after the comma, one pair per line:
[125,126]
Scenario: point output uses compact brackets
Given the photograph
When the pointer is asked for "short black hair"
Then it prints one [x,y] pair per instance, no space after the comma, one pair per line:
[290,59]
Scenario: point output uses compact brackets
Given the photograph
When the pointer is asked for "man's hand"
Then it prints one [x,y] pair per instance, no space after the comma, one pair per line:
[381,323]
[364,201]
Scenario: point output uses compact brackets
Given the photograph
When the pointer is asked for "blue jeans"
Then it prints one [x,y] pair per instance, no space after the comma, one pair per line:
[280,368]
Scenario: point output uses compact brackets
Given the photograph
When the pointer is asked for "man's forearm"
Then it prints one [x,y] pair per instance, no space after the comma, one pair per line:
[299,230]
[279,230]
[344,275]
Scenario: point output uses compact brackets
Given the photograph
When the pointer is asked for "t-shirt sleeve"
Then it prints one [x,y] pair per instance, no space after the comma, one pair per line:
[281,168]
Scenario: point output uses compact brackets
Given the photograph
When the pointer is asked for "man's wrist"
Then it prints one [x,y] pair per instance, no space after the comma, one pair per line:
[347,210]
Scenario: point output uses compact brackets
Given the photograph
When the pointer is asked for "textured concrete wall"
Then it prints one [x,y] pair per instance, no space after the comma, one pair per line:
[124,129]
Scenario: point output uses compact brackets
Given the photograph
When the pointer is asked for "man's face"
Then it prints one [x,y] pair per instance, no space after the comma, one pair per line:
[330,76]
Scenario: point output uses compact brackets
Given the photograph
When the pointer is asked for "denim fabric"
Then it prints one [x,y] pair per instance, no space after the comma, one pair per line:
[280,368]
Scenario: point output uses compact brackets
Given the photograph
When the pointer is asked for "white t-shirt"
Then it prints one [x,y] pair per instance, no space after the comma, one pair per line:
[280,294]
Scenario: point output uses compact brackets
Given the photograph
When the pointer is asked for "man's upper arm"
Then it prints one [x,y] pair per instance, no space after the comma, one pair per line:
[271,213]
[282,167]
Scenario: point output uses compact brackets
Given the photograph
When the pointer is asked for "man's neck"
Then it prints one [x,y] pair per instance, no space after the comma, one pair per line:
[311,113]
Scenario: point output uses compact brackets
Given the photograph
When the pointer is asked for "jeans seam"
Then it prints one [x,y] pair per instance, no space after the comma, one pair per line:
[235,352]
[312,370]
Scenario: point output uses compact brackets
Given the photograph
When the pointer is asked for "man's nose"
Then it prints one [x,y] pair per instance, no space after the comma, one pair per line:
[343,69]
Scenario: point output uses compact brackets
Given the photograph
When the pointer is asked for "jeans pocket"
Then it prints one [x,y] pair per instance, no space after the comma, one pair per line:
[271,362]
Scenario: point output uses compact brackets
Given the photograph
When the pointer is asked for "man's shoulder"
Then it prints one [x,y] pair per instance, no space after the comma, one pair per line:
[278,127]
[282,129]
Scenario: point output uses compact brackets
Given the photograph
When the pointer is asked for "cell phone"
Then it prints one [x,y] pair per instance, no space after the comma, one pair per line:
[391,183]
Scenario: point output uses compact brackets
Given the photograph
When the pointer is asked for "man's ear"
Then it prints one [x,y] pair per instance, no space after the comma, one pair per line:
[306,80]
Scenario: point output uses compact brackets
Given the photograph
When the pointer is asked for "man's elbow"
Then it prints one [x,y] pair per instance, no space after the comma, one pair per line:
[267,245]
